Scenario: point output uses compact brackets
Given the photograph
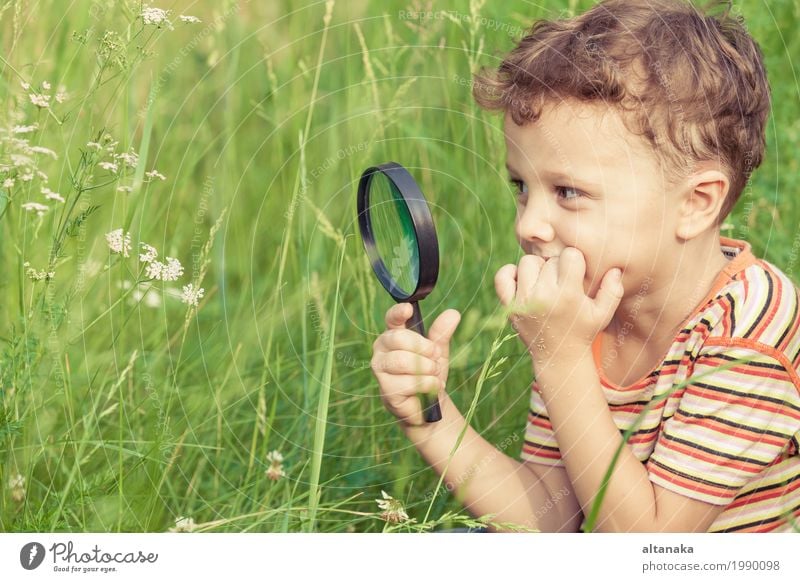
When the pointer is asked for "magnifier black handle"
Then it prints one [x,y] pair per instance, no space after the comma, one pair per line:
[430,402]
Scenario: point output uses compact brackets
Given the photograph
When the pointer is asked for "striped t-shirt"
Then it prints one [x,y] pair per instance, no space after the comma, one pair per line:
[731,436]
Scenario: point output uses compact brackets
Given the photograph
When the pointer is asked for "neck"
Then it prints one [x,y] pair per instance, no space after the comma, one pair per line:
[666,298]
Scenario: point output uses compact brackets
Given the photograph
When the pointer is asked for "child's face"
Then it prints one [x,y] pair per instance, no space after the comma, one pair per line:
[585,181]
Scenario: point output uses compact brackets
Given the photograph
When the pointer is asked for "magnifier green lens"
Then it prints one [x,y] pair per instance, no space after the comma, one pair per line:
[393,230]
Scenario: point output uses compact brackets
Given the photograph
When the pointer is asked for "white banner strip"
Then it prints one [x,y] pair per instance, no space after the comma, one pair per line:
[406,557]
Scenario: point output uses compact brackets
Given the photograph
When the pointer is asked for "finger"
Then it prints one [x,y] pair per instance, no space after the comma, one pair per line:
[405,339]
[571,268]
[527,275]
[442,331]
[505,284]
[609,295]
[406,386]
[397,315]
[548,275]
[404,362]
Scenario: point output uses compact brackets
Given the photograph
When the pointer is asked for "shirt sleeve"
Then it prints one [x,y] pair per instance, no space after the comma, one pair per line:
[540,442]
[734,420]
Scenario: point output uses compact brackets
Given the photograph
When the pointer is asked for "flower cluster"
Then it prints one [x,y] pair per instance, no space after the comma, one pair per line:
[183,525]
[119,242]
[35,275]
[393,510]
[20,165]
[17,486]
[275,470]
[168,270]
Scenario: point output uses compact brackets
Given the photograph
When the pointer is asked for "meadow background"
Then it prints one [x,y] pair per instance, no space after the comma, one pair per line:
[234,145]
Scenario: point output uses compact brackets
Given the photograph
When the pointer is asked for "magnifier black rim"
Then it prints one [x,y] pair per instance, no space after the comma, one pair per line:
[422,222]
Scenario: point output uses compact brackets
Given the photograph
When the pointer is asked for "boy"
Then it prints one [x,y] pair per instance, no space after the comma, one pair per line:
[631,131]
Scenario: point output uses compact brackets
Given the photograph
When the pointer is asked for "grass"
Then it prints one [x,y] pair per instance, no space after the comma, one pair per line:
[123,415]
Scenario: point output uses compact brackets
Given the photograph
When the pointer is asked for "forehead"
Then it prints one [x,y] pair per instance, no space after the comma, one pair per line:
[576,134]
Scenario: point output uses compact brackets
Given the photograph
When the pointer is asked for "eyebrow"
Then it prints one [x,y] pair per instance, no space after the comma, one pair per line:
[557,176]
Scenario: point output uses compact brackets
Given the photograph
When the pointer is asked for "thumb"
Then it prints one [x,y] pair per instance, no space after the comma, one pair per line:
[443,329]
[609,295]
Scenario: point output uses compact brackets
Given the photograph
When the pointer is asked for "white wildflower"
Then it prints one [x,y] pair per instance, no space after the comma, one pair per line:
[61,94]
[50,195]
[192,296]
[110,166]
[43,150]
[164,272]
[183,525]
[156,17]
[24,128]
[172,271]
[20,160]
[45,85]
[119,242]
[25,86]
[35,275]
[126,189]
[41,101]
[149,255]
[17,485]
[35,207]
[93,145]
[26,177]
[131,158]
[393,511]
[8,183]
[42,176]
[189,19]
[155,174]
[275,470]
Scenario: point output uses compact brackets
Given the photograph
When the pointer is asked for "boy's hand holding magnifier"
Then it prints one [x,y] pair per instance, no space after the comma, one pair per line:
[549,308]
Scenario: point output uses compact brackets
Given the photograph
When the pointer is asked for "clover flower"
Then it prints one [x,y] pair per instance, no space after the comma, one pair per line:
[275,470]
[183,525]
[393,511]
[118,242]
[192,296]
[17,486]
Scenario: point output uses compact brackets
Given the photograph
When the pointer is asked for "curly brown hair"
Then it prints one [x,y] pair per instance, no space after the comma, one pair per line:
[692,81]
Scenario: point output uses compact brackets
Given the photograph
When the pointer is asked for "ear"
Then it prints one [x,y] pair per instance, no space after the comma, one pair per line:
[701,201]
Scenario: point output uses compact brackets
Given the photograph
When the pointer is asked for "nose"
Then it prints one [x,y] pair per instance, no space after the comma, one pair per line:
[534,223]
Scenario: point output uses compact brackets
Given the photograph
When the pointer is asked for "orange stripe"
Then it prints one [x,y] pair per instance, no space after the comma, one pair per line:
[751,467]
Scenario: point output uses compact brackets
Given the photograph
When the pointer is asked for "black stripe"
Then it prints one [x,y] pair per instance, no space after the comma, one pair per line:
[764,309]
[715,452]
[788,323]
[768,487]
[731,311]
[694,478]
[760,398]
[545,447]
[781,517]
[750,363]
[730,423]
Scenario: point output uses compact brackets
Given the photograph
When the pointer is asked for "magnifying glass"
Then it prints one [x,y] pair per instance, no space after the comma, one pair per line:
[400,240]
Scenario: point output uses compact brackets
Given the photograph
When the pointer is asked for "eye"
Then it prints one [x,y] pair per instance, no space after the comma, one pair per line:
[567,193]
[519,187]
